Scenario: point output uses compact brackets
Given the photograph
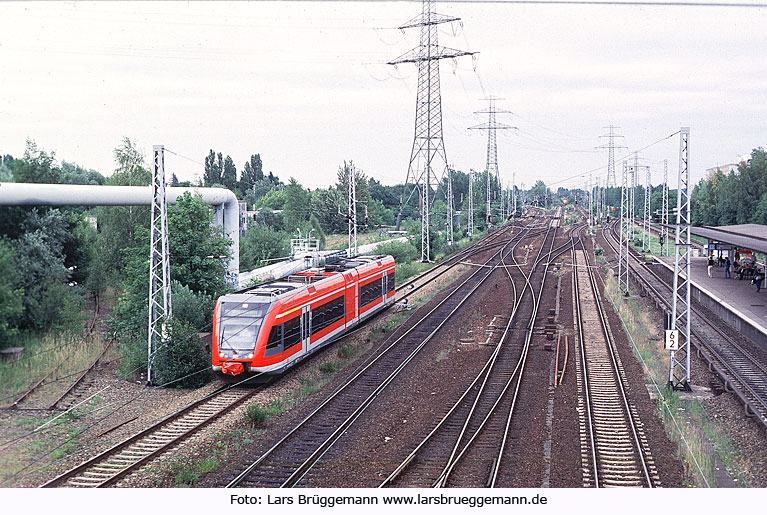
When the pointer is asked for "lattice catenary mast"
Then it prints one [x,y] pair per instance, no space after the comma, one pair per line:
[471,202]
[623,256]
[352,211]
[646,234]
[664,211]
[160,308]
[428,142]
[679,360]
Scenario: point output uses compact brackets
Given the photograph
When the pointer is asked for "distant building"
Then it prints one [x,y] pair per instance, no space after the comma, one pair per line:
[725,169]
[731,167]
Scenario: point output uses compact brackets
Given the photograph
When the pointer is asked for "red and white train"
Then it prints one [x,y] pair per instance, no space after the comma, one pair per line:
[270,327]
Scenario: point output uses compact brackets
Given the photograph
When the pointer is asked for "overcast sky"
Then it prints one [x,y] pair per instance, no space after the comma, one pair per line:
[305,84]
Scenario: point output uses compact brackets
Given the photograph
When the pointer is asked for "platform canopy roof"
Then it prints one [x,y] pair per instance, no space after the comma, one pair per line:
[746,236]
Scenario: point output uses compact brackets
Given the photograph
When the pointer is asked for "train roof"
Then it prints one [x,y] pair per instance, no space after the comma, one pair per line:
[299,280]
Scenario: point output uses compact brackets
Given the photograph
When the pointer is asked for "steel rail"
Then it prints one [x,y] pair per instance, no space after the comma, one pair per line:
[615,369]
[517,372]
[62,479]
[309,462]
[483,375]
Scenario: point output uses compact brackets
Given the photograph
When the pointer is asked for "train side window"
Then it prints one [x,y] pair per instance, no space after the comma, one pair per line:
[274,343]
[370,292]
[390,283]
[292,332]
[327,314]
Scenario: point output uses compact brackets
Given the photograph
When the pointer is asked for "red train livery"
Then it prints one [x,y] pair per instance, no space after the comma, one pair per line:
[270,327]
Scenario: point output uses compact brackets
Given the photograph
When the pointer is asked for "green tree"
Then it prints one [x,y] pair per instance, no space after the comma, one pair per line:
[191,240]
[40,264]
[261,243]
[296,210]
[11,293]
[192,244]
[274,200]
[229,175]
[131,168]
[252,173]
[6,168]
[325,204]
[317,232]
[117,225]
[36,166]
[213,169]
[72,173]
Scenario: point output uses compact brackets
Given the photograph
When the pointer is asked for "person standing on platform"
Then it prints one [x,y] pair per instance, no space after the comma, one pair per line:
[758,277]
[710,264]
[727,267]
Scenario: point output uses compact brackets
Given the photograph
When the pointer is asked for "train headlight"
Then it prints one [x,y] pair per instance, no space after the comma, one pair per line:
[250,356]
[221,355]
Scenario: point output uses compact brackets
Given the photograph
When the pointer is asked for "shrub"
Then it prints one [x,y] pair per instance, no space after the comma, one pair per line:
[401,252]
[255,415]
[196,309]
[186,477]
[182,360]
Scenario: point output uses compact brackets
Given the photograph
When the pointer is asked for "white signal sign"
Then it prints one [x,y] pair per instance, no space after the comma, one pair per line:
[672,339]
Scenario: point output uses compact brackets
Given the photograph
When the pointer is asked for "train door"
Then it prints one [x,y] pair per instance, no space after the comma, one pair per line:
[306,327]
[384,284]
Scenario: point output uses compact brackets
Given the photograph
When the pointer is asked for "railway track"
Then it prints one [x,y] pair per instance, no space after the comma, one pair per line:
[741,372]
[127,456]
[47,379]
[427,465]
[614,450]
[115,463]
[289,460]
[466,447]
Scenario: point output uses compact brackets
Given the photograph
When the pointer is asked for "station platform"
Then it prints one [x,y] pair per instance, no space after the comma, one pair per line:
[734,300]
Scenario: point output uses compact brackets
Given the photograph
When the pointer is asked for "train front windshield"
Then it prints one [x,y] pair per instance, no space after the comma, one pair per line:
[240,324]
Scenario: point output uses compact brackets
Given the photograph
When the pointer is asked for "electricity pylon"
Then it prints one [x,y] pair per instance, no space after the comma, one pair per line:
[611,146]
[428,142]
[492,145]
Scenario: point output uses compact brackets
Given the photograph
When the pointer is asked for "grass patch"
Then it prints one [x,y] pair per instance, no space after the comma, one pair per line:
[207,465]
[64,353]
[346,352]
[331,367]
[444,353]
[404,271]
[341,241]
